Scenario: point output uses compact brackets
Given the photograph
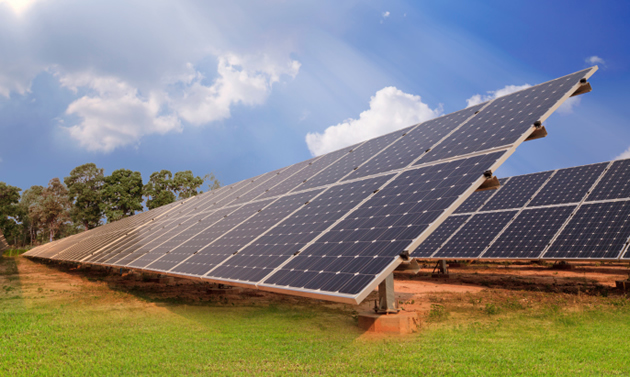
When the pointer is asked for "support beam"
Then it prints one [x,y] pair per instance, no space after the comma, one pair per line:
[386,297]
[442,269]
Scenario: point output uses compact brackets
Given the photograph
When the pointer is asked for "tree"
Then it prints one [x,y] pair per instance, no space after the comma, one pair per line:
[30,208]
[159,189]
[121,194]
[54,209]
[9,210]
[84,190]
[185,184]
[213,182]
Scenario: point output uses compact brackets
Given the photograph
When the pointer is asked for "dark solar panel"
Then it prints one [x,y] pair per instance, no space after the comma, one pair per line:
[477,199]
[439,236]
[373,236]
[349,162]
[596,231]
[414,143]
[290,236]
[615,184]
[230,242]
[472,239]
[505,119]
[569,185]
[516,192]
[528,235]
[315,166]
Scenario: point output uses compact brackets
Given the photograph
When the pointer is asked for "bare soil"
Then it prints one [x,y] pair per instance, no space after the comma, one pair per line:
[473,286]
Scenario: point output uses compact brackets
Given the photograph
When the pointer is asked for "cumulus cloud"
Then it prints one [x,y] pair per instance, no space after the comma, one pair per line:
[115,114]
[390,109]
[595,60]
[508,89]
[568,105]
[241,80]
[624,155]
[157,67]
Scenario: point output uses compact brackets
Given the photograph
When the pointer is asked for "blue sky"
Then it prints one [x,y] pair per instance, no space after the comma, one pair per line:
[236,89]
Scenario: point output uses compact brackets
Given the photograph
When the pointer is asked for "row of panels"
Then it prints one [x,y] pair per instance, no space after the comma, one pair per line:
[334,225]
[575,213]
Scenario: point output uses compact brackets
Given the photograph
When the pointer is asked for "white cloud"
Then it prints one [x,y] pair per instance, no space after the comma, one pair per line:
[508,89]
[155,63]
[624,155]
[241,80]
[385,14]
[569,104]
[595,60]
[115,114]
[390,109]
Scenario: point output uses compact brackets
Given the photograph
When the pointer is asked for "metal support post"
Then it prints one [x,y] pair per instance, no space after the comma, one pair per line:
[386,298]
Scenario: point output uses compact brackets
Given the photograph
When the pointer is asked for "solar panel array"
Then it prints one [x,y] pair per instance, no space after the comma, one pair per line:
[332,227]
[578,213]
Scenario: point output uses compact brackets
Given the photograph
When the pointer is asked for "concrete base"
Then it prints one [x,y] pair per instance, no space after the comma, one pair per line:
[401,323]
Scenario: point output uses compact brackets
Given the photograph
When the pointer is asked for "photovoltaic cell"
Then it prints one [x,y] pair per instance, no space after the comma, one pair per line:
[414,143]
[476,200]
[596,231]
[231,242]
[313,168]
[505,119]
[290,236]
[528,235]
[372,236]
[615,184]
[516,192]
[204,233]
[145,253]
[440,235]
[476,235]
[569,185]
[352,160]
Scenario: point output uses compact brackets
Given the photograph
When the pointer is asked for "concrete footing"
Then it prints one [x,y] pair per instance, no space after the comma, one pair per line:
[400,323]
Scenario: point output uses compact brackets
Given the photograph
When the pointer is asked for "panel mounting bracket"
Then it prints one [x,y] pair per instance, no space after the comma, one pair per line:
[491,183]
[538,133]
[584,87]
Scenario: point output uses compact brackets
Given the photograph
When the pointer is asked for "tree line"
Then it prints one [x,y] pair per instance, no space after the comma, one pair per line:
[86,199]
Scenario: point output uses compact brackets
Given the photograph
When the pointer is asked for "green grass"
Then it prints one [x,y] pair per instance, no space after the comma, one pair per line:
[90,329]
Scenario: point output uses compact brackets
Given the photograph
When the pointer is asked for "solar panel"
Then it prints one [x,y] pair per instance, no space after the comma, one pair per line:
[573,213]
[335,226]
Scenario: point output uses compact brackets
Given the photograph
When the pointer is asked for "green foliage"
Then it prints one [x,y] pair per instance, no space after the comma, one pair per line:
[438,313]
[121,194]
[164,187]
[54,209]
[213,182]
[9,210]
[158,190]
[30,205]
[84,189]
[186,184]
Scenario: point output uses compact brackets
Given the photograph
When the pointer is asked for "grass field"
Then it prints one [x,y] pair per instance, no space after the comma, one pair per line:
[57,322]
